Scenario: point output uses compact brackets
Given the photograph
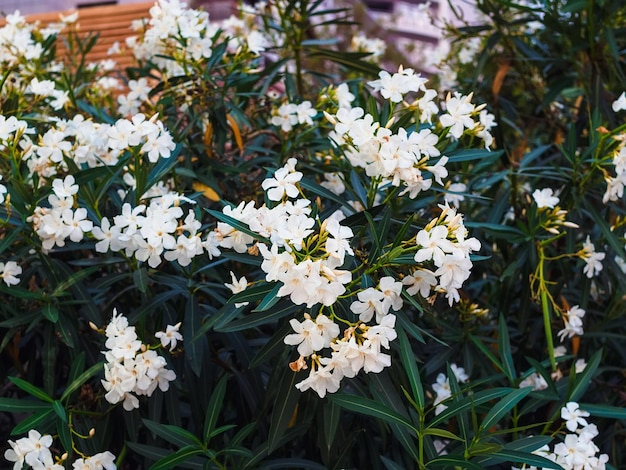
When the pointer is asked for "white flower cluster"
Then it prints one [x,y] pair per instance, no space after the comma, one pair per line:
[288,115]
[577,451]
[60,221]
[95,144]
[131,369]
[153,232]
[442,386]
[18,45]
[303,259]
[360,348]
[443,242]
[185,34]
[34,451]
[403,158]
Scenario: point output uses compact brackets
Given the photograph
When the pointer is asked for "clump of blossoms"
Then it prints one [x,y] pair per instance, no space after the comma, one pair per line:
[34,452]
[187,36]
[406,159]
[577,451]
[132,368]
[307,256]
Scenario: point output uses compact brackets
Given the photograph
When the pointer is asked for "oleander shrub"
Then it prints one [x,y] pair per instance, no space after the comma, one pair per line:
[255,249]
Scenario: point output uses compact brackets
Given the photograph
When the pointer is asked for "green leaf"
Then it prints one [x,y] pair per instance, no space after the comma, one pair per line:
[601,411]
[31,389]
[193,349]
[323,192]
[444,434]
[254,293]
[528,444]
[237,225]
[473,154]
[17,405]
[81,379]
[583,380]
[269,300]
[504,348]
[273,347]
[174,460]
[141,279]
[50,312]
[172,434]
[260,318]
[409,362]
[330,422]
[59,409]
[371,408]
[516,456]
[469,403]
[505,405]
[452,461]
[63,286]
[65,436]
[214,408]
[284,409]
[40,421]
[486,351]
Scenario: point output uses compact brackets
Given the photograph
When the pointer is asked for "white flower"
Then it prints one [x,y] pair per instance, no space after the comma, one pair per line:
[283,182]
[421,280]
[545,198]
[593,259]
[573,416]
[9,272]
[534,380]
[573,320]
[34,450]
[308,336]
[170,336]
[370,302]
[620,103]
[458,116]
[238,285]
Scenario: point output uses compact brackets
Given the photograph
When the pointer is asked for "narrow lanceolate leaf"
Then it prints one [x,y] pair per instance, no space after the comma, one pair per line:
[214,408]
[504,347]
[31,389]
[583,380]
[177,458]
[39,421]
[469,403]
[601,411]
[410,366]
[260,318]
[371,408]
[172,434]
[285,406]
[58,408]
[81,379]
[237,225]
[16,405]
[516,456]
[501,408]
[452,461]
